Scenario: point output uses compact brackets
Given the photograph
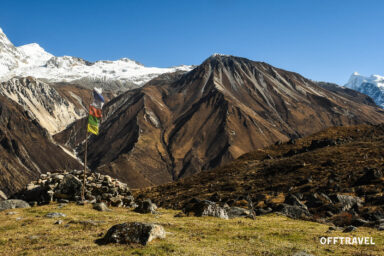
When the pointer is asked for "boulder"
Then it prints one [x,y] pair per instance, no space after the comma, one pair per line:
[235,212]
[146,206]
[102,207]
[293,200]
[201,208]
[69,188]
[347,202]
[293,211]
[12,204]
[133,232]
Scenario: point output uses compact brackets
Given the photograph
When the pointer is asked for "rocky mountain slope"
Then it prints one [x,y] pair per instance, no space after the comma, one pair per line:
[32,60]
[26,148]
[336,175]
[181,124]
[53,105]
[372,86]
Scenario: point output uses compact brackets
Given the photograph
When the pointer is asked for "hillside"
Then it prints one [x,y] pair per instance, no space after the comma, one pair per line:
[316,169]
[180,124]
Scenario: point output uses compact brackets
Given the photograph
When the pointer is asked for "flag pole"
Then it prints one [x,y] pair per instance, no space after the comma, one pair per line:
[85,166]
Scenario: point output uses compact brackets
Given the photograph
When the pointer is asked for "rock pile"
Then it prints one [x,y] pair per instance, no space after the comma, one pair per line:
[67,186]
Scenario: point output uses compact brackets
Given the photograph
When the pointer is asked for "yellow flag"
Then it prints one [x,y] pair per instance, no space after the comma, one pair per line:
[93,129]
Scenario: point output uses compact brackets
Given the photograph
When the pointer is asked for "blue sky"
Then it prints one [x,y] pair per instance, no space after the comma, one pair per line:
[320,39]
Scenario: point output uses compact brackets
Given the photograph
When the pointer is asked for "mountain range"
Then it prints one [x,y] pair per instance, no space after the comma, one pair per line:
[159,125]
[33,60]
[184,123]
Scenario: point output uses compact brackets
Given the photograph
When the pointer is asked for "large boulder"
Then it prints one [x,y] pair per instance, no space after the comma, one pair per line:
[133,232]
[201,208]
[146,206]
[12,204]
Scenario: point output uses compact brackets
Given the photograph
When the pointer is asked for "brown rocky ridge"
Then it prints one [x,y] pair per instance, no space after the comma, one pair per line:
[181,124]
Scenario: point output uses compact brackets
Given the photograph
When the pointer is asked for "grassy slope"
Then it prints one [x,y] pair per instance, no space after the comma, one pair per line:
[267,235]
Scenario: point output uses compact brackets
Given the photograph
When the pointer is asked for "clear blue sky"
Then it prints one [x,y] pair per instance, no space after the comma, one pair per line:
[321,39]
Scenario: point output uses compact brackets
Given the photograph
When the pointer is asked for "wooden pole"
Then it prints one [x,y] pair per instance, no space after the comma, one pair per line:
[85,167]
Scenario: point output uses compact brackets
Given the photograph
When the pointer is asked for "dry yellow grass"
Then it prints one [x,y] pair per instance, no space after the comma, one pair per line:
[267,235]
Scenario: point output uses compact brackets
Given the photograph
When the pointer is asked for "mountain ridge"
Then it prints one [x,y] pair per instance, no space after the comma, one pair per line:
[33,60]
[178,125]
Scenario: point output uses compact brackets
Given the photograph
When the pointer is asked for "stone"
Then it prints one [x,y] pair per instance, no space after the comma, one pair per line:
[235,212]
[12,204]
[347,202]
[146,206]
[63,201]
[349,229]
[201,208]
[381,227]
[11,213]
[261,211]
[133,232]
[3,196]
[69,188]
[293,211]
[55,215]
[59,222]
[102,207]
[293,200]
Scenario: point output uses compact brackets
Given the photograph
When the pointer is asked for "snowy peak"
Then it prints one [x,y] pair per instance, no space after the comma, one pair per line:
[372,86]
[33,60]
[34,54]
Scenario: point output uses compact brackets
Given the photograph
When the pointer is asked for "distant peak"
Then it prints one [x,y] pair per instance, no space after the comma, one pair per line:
[355,73]
[220,54]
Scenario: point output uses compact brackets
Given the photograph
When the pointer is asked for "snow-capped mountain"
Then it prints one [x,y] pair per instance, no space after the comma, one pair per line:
[33,60]
[372,86]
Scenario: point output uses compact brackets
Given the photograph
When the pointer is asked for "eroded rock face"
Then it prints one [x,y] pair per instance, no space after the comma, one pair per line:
[12,204]
[133,232]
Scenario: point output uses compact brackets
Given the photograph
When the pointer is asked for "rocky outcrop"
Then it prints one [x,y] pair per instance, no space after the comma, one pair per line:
[68,186]
[133,232]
